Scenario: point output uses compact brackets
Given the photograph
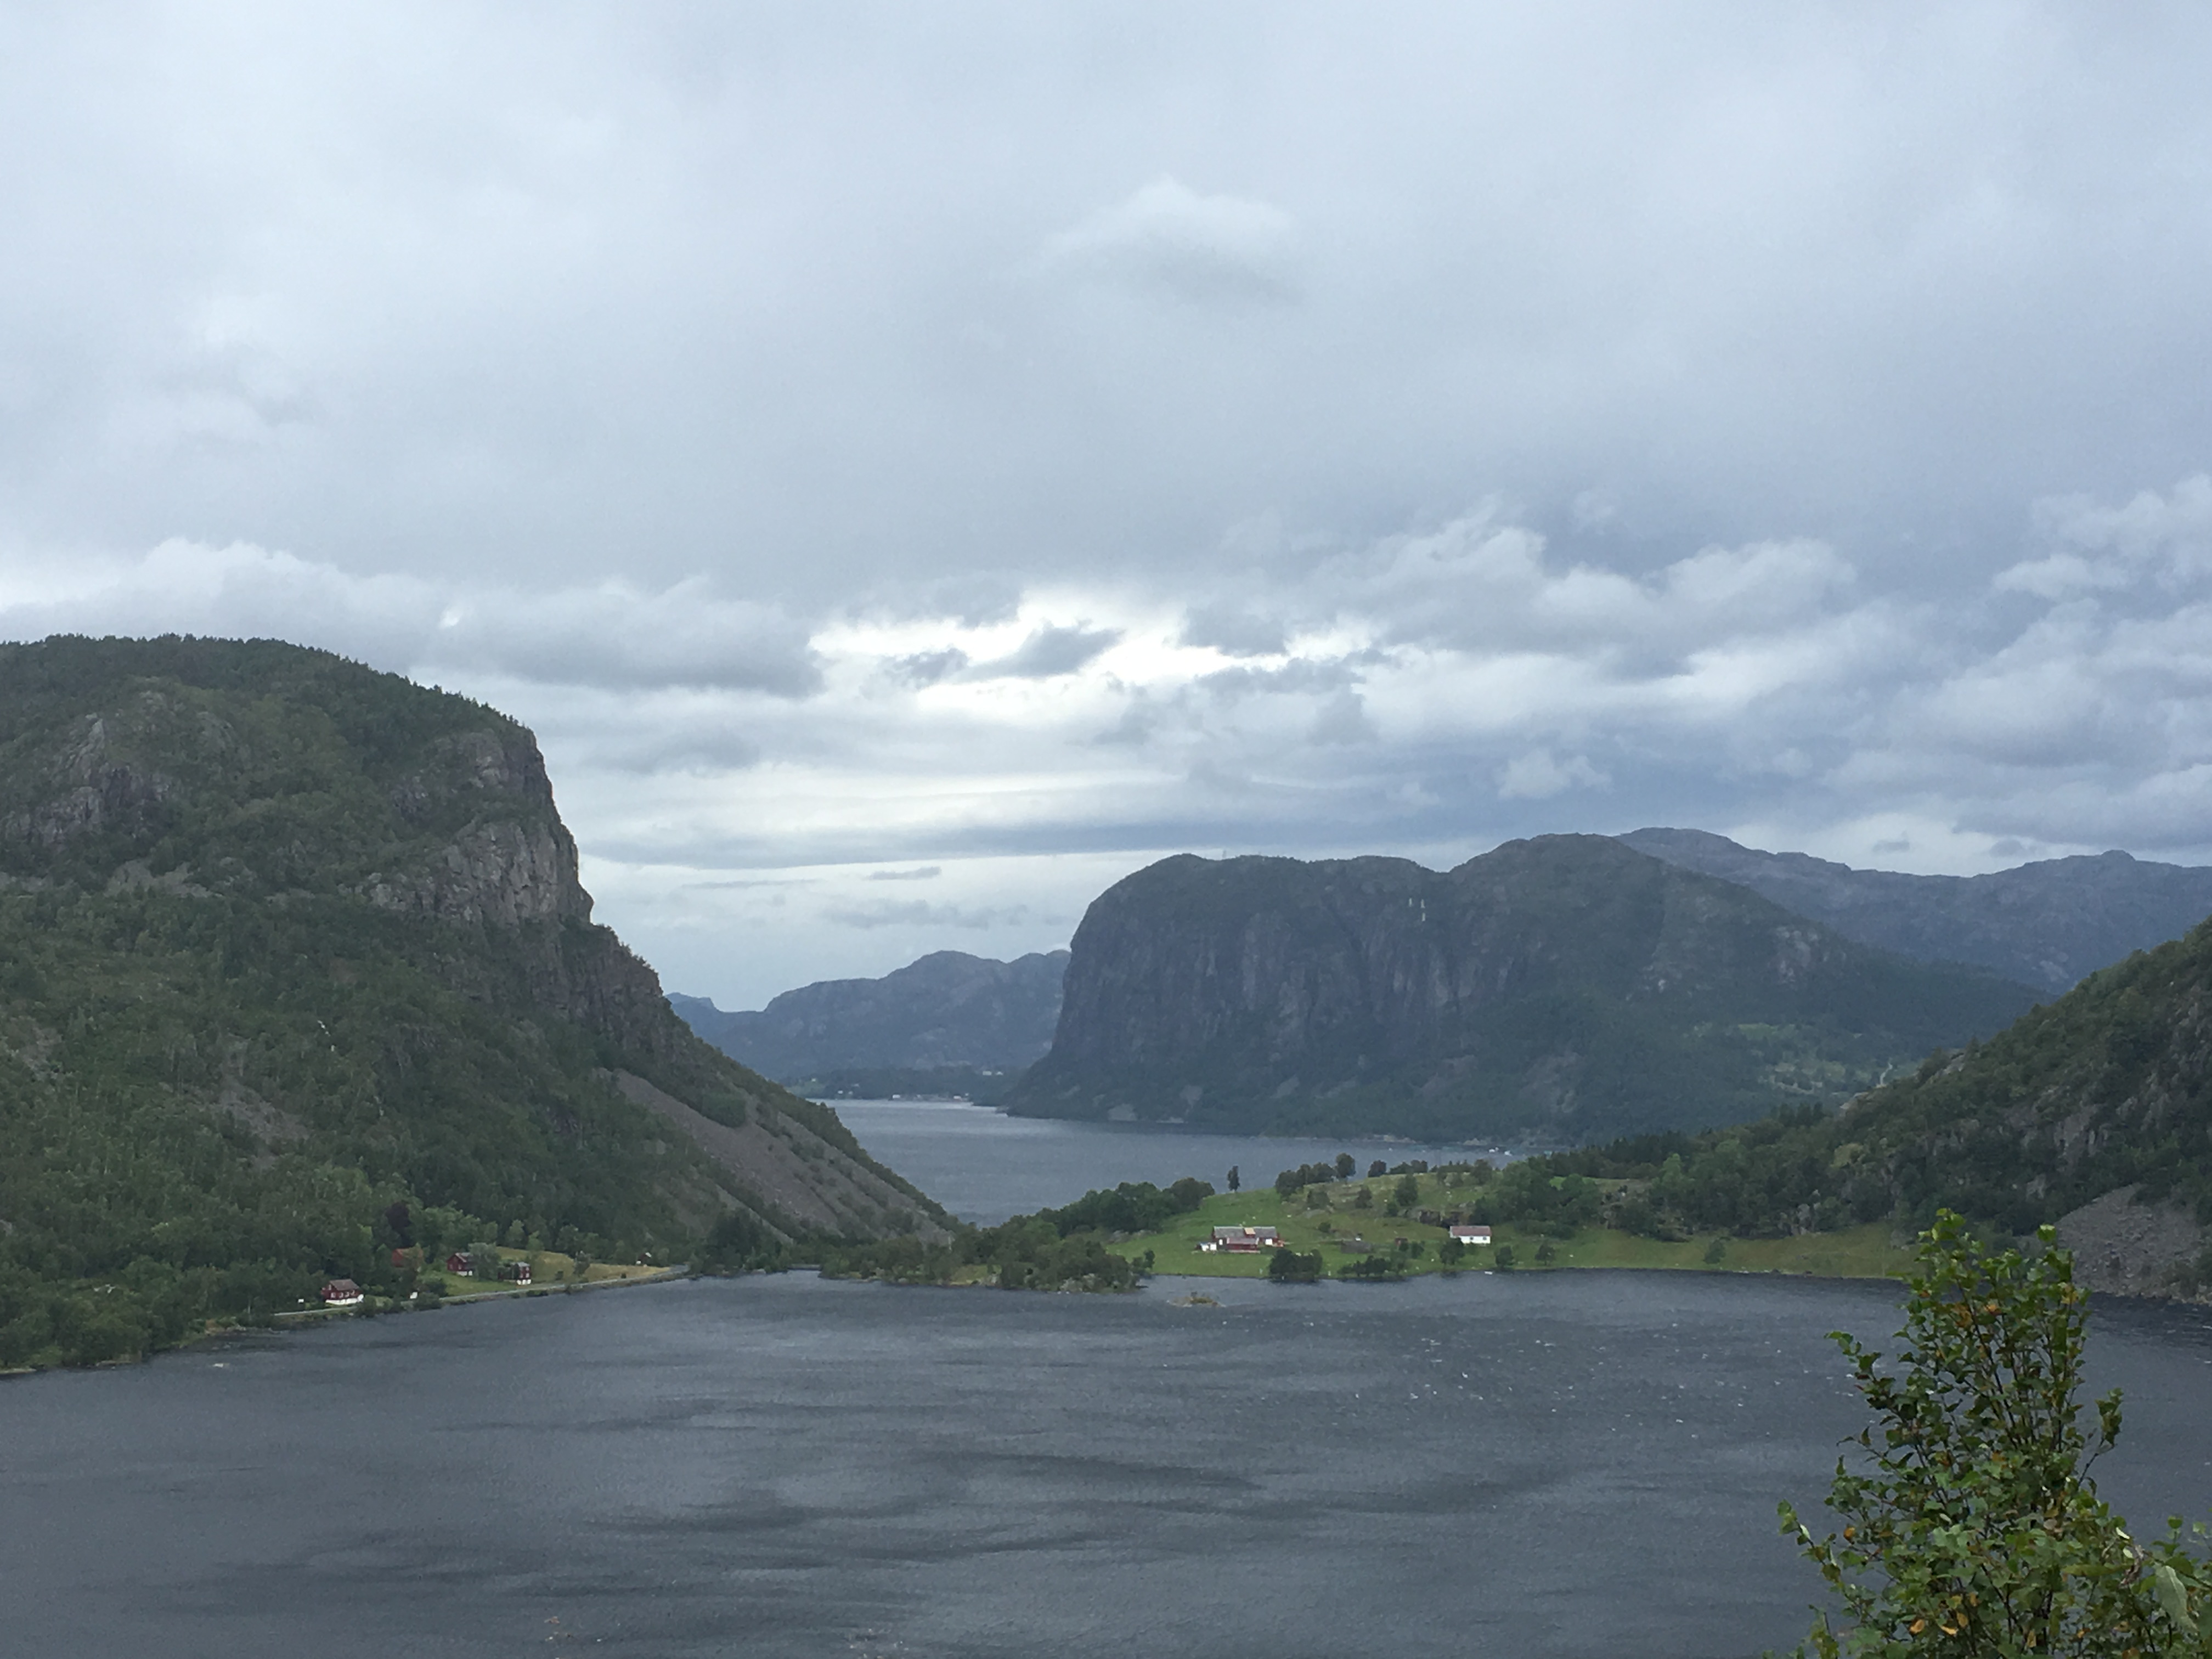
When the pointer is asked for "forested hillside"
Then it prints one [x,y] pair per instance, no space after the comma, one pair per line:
[2095,1112]
[296,977]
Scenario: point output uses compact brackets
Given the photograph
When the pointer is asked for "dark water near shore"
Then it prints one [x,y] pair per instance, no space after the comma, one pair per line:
[1538,1464]
[985,1166]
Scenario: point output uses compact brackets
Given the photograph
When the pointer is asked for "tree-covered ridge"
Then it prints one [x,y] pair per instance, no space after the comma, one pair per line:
[1054,1250]
[2109,1086]
[295,972]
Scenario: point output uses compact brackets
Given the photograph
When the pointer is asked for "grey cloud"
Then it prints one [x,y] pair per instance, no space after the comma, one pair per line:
[1343,719]
[1234,630]
[926,668]
[1538,776]
[926,873]
[607,635]
[917,912]
[713,752]
[1169,237]
[1049,652]
[613,636]
[1299,675]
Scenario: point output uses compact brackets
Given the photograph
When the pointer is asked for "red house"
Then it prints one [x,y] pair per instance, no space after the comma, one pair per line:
[341,1293]
[1244,1238]
[459,1266]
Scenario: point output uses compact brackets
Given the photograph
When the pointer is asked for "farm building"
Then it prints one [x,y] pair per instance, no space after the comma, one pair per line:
[1244,1238]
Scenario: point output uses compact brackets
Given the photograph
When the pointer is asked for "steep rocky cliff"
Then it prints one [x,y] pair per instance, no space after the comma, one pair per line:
[1560,988]
[2046,924]
[947,1010]
[297,928]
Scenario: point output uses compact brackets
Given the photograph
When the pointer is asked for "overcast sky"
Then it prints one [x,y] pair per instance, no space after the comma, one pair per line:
[913,465]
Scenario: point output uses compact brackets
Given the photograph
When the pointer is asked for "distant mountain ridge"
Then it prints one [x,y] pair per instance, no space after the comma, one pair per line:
[2046,924]
[948,1010]
[1563,988]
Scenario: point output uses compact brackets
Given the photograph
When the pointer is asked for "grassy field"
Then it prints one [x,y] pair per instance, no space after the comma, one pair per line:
[1869,1252]
[547,1269]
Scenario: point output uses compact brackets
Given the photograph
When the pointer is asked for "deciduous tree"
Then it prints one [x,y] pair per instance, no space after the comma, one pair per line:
[1971,1527]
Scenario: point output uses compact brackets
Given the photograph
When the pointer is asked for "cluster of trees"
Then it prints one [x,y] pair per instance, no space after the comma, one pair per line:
[1062,1249]
[1315,1175]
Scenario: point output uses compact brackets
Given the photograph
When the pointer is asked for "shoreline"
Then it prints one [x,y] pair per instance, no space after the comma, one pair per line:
[660,1276]
[297,1316]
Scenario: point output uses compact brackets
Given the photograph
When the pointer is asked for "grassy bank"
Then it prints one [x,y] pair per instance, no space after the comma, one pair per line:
[1868,1252]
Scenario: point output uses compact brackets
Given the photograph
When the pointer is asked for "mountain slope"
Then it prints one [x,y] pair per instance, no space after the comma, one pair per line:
[947,1010]
[285,943]
[1565,987]
[2095,1112]
[2045,924]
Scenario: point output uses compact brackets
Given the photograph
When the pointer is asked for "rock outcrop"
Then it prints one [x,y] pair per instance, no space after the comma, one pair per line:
[1565,987]
[2126,1247]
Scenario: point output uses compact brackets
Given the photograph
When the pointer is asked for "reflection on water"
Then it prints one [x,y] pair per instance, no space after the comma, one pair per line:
[984,1166]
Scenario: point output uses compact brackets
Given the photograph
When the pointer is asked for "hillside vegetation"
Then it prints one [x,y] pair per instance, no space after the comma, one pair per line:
[2093,1113]
[295,972]
[1561,989]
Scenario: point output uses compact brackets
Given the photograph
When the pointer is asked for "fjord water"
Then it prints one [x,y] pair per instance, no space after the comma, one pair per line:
[984,1166]
[1531,1464]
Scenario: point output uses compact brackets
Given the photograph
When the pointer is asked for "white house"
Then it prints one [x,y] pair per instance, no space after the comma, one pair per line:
[1463,1234]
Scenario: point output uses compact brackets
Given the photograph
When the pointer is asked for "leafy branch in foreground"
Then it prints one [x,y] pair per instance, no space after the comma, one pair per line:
[1975,1530]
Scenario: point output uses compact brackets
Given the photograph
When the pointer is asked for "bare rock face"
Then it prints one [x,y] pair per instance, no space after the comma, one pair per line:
[2129,1248]
[504,868]
[1565,989]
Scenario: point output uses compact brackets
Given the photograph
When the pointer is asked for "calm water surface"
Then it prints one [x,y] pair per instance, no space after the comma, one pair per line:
[985,1166]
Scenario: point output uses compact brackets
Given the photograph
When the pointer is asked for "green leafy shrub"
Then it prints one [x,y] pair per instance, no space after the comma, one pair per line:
[1974,1531]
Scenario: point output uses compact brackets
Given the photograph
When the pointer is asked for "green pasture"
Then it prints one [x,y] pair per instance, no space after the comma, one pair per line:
[1868,1252]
